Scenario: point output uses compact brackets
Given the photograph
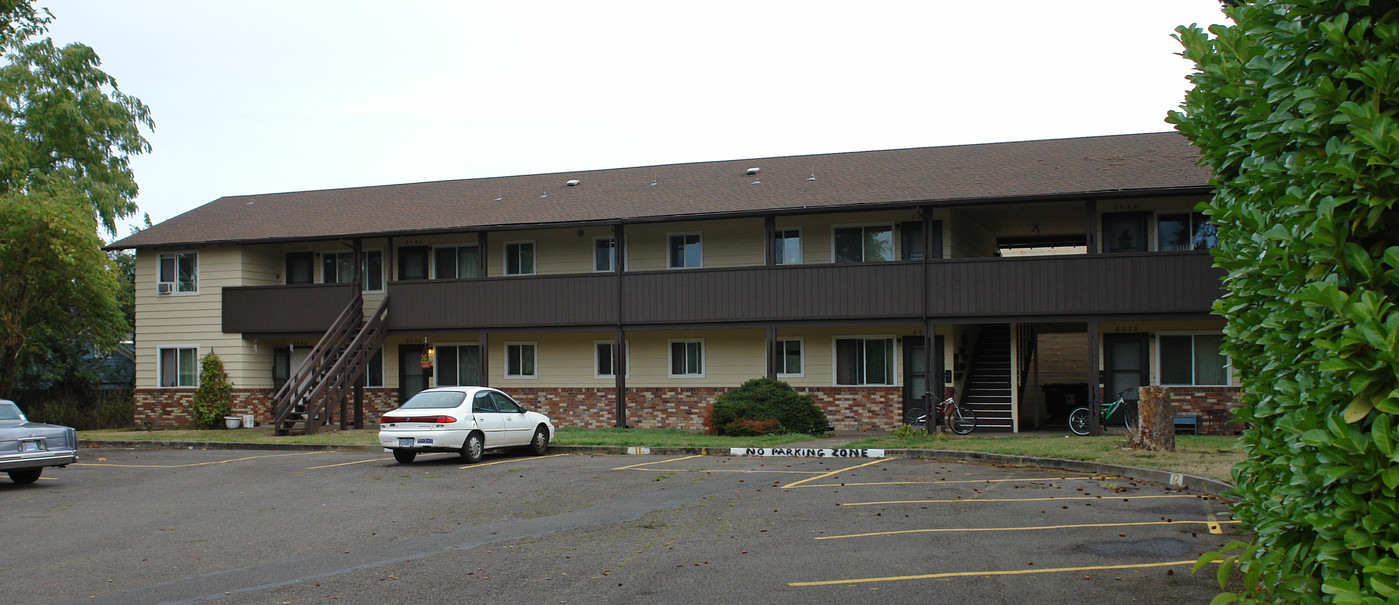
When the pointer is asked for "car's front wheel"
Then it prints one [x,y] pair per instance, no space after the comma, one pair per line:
[540,443]
[404,456]
[26,475]
[473,449]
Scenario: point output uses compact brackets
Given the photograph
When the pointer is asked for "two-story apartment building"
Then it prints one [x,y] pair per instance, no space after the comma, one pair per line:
[1027,276]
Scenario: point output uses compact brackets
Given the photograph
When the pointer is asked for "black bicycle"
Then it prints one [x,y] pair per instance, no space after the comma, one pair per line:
[955,416]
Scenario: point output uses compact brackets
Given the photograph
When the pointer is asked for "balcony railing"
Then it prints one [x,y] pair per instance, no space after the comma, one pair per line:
[1050,288]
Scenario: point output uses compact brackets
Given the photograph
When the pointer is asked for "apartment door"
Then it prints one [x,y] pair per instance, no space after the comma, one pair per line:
[916,382]
[412,377]
[284,362]
[1125,367]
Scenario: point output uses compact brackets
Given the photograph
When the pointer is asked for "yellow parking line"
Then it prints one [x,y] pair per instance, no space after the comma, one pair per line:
[312,468]
[481,464]
[725,470]
[192,464]
[835,472]
[1085,478]
[974,574]
[622,468]
[1035,528]
[1063,498]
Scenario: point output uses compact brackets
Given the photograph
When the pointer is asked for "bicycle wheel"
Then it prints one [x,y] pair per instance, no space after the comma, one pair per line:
[915,416]
[1128,421]
[1078,421]
[963,420]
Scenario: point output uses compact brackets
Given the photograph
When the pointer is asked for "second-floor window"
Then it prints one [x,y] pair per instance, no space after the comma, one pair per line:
[519,258]
[178,273]
[339,268]
[604,254]
[867,244]
[787,246]
[456,262]
[686,251]
[1184,231]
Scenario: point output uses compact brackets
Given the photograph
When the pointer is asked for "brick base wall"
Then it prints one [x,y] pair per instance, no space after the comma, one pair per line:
[1210,406]
[847,408]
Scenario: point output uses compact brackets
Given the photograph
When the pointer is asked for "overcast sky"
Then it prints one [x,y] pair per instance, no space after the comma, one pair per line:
[261,96]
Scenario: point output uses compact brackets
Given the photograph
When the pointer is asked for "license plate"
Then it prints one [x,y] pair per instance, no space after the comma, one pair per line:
[405,442]
[31,446]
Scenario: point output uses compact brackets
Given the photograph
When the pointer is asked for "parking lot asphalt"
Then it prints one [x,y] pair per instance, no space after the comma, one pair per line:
[149,526]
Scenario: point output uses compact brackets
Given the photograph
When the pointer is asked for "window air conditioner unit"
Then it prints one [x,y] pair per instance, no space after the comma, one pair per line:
[165,287]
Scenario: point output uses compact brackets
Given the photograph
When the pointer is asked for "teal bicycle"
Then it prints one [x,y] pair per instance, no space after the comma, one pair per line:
[1078,419]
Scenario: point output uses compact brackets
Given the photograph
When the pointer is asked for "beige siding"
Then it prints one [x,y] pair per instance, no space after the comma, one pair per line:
[190,320]
[728,243]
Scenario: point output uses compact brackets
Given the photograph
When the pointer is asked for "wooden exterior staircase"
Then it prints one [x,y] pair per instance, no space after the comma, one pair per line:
[989,382]
[327,378]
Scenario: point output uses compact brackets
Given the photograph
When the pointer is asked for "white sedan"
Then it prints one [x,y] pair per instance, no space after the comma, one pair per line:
[469,420]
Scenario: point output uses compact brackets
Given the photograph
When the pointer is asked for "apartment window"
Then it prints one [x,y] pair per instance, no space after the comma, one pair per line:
[458,365]
[604,359]
[519,360]
[178,273]
[179,367]
[605,254]
[456,262]
[301,268]
[686,251]
[789,357]
[339,268]
[1184,231]
[866,244]
[1193,359]
[865,361]
[687,358]
[374,372]
[519,258]
[787,246]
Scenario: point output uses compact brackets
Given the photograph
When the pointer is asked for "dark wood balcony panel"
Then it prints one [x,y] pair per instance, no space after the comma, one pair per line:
[513,302]
[1082,286]
[298,309]
[808,292]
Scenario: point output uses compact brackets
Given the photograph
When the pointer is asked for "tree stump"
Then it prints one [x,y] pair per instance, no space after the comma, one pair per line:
[1156,420]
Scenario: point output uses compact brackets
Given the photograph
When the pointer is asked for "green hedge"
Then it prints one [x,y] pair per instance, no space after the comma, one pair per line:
[743,410]
[1294,108]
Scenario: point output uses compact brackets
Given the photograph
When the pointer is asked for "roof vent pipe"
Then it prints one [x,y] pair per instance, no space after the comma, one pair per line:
[752,171]
[572,183]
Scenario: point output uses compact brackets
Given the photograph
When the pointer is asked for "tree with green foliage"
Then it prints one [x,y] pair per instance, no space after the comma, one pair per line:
[214,397]
[64,124]
[66,136]
[1294,107]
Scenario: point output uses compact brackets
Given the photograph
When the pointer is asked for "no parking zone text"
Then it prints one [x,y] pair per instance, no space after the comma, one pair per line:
[806,452]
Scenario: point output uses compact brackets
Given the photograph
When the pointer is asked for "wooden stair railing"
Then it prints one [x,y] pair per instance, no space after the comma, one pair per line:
[297,402]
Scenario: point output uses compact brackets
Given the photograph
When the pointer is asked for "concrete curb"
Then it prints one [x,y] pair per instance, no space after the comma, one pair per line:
[1179,480]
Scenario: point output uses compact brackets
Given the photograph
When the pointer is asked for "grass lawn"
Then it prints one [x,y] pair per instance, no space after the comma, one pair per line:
[1205,456]
[1201,455]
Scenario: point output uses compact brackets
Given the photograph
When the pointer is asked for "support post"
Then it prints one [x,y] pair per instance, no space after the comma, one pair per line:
[619,255]
[484,344]
[931,394]
[1095,390]
[774,356]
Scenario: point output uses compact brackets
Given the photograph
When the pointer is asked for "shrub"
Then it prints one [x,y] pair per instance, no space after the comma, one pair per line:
[214,398]
[753,428]
[765,399]
[1295,108]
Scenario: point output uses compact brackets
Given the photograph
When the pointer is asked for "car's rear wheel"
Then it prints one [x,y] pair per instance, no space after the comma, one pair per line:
[540,443]
[26,475]
[473,449]
[404,456]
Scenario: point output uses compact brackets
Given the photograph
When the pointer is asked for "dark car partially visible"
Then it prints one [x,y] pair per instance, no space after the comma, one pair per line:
[27,447]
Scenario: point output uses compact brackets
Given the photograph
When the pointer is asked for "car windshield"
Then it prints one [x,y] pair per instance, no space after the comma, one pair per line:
[9,411]
[435,399]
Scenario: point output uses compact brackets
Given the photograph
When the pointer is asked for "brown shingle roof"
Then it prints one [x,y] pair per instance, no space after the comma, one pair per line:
[1122,164]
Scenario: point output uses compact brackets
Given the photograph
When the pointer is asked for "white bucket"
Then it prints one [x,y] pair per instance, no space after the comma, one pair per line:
[232,421]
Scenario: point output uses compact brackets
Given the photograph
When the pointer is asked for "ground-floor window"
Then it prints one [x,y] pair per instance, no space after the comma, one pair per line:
[789,358]
[458,365]
[687,358]
[605,359]
[179,366]
[520,360]
[865,361]
[1193,359]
